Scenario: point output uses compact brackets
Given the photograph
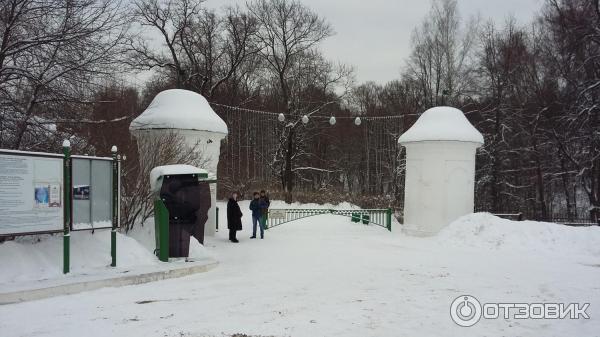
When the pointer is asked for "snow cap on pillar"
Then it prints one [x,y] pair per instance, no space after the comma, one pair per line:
[440,170]
[442,123]
[179,109]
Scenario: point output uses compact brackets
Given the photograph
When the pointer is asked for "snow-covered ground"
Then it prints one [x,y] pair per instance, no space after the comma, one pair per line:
[33,258]
[327,276]
[37,259]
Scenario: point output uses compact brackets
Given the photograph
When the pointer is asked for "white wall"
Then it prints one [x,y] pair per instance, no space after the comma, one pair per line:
[439,184]
[208,144]
[210,151]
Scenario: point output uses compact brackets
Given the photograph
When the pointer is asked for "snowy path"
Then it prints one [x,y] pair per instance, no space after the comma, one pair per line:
[325,276]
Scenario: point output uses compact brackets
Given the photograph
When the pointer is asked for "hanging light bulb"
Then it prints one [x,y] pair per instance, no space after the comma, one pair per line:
[305,119]
[357,121]
[281,118]
[332,120]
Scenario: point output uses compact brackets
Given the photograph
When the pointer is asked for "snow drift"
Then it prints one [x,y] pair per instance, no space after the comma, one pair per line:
[486,231]
[33,258]
[40,257]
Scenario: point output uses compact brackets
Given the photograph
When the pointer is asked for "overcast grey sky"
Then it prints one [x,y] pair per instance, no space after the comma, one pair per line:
[374,35]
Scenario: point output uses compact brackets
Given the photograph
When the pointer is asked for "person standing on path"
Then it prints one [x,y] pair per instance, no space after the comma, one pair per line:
[264,203]
[255,207]
[234,217]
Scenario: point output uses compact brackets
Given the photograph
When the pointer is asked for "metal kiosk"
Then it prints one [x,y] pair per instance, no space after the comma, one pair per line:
[182,200]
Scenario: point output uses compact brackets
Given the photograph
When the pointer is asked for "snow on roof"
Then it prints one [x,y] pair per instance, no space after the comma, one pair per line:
[442,123]
[179,109]
[32,153]
[173,170]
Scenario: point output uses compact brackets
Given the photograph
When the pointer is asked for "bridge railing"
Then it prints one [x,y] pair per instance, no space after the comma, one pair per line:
[378,217]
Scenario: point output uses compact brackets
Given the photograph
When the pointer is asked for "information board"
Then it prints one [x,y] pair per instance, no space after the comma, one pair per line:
[31,196]
[92,193]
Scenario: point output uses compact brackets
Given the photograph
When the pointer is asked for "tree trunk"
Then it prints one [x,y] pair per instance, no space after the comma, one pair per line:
[540,184]
[565,183]
[495,157]
[288,177]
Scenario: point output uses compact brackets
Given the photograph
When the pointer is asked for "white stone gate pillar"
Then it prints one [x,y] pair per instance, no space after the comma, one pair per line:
[440,170]
[190,116]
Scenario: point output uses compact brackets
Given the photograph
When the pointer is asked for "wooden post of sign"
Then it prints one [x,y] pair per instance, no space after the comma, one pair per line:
[66,205]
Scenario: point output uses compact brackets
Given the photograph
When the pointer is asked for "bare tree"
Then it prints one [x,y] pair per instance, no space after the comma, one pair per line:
[51,53]
[503,63]
[442,50]
[573,34]
[289,33]
[201,50]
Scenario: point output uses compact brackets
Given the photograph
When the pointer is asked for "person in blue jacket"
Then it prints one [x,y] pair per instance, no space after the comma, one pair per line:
[256,206]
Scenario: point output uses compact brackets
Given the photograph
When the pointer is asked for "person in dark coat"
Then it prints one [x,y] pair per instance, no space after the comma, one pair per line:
[234,217]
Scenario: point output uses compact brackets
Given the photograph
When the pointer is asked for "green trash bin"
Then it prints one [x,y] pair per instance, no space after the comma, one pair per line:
[180,208]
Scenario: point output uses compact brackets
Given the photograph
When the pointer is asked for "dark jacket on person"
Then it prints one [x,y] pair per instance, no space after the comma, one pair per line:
[264,204]
[256,208]
[234,215]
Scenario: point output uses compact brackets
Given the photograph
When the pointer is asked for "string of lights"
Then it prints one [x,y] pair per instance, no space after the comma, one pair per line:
[250,154]
[281,117]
